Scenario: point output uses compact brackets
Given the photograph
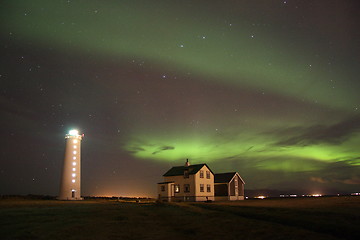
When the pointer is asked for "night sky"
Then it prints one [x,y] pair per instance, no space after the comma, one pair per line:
[267,88]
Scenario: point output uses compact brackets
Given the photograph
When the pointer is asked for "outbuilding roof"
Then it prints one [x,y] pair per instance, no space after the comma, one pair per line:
[179,170]
[225,177]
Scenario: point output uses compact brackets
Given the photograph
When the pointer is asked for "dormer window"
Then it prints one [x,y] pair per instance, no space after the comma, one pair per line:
[201,174]
[208,174]
[186,173]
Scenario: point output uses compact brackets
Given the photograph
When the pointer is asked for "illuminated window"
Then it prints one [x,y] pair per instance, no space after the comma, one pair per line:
[201,187]
[177,188]
[73,175]
[75,141]
[201,174]
[74,163]
[74,158]
[208,174]
[186,187]
[208,188]
[75,146]
[73,180]
[74,152]
[74,169]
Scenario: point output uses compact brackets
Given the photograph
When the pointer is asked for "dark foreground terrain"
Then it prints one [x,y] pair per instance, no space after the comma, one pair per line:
[309,218]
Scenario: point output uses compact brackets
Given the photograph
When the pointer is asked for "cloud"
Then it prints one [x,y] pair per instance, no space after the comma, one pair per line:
[352,180]
[334,134]
[318,179]
[163,148]
[135,149]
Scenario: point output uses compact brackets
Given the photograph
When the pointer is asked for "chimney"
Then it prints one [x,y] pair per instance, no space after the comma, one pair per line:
[187,164]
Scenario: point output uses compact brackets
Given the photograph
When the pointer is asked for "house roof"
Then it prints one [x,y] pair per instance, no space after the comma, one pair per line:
[179,170]
[166,182]
[225,177]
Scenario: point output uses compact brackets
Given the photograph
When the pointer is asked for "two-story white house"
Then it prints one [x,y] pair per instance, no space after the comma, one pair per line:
[187,183]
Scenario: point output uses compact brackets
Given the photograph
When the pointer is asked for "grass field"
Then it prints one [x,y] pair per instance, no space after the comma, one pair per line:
[308,218]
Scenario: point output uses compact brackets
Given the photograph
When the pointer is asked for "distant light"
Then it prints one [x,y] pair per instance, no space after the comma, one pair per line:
[73,175]
[74,169]
[316,195]
[74,152]
[74,163]
[74,158]
[74,132]
[261,197]
[75,141]
[73,180]
[75,146]
[287,195]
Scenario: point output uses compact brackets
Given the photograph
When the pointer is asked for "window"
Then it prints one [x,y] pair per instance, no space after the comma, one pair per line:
[75,141]
[208,174]
[74,169]
[74,152]
[201,174]
[75,146]
[208,188]
[74,158]
[186,187]
[74,163]
[177,188]
[201,187]
[186,173]
[163,188]
[73,180]
[73,175]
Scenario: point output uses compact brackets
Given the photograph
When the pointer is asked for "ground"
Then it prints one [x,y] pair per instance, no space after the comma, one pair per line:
[307,218]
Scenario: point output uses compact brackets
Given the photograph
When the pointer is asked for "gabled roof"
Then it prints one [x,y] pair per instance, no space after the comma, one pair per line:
[226,177]
[166,182]
[179,170]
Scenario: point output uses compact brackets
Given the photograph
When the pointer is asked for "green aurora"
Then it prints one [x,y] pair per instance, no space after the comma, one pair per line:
[247,90]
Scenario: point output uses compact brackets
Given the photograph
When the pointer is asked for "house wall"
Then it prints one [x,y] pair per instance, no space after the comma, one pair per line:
[221,189]
[203,196]
[241,189]
[232,187]
[234,198]
[167,194]
[181,195]
[236,189]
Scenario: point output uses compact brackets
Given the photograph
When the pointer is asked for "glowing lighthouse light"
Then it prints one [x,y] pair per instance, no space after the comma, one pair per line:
[70,188]
[74,132]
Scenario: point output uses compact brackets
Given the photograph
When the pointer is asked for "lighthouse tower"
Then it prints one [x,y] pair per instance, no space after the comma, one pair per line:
[70,179]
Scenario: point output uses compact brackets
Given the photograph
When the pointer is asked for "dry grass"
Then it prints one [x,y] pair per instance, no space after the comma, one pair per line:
[324,218]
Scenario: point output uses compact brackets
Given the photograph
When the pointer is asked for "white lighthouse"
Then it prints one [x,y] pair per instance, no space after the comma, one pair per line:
[70,179]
